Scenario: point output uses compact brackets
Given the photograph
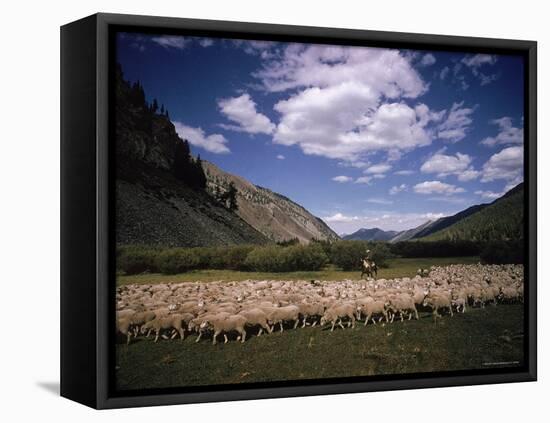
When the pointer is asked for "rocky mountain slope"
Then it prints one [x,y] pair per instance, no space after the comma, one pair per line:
[153,206]
[275,216]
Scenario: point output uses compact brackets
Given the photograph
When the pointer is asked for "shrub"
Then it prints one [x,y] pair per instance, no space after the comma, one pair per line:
[286,259]
[132,259]
[264,259]
[380,253]
[234,258]
[348,254]
[288,242]
[205,256]
[178,260]
[301,257]
[324,244]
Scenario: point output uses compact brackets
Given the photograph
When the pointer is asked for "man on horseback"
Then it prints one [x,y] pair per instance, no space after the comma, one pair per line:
[368,266]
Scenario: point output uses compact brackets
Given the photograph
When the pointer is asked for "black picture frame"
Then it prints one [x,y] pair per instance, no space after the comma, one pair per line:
[87,203]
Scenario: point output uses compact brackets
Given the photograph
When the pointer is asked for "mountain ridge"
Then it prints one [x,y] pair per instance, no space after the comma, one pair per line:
[500,220]
[274,215]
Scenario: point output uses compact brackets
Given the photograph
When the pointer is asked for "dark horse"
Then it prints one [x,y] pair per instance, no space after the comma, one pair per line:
[369,268]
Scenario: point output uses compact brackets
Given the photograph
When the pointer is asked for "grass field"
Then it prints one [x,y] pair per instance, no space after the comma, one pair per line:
[480,338]
[398,267]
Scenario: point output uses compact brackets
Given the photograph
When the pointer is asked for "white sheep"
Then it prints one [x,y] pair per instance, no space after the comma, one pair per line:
[200,323]
[401,304]
[373,308]
[335,314]
[310,310]
[256,317]
[437,302]
[173,321]
[290,313]
[227,324]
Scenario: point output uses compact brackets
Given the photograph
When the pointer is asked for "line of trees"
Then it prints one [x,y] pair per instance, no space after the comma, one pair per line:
[146,117]
[186,168]
[490,252]
[289,257]
[292,256]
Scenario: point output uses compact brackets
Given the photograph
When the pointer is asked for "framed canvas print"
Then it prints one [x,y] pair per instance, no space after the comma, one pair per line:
[254,211]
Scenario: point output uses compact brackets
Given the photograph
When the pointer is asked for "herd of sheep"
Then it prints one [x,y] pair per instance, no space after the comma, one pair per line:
[223,308]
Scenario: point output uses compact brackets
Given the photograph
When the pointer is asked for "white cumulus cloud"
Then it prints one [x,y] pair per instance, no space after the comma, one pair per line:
[342,179]
[468,175]
[404,172]
[456,124]
[506,164]
[172,41]
[507,133]
[339,217]
[396,189]
[346,102]
[437,187]
[378,168]
[242,111]
[386,72]
[214,143]
[475,63]
[444,165]
[428,59]
[477,60]
[489,195]
[206,42]
[364,180]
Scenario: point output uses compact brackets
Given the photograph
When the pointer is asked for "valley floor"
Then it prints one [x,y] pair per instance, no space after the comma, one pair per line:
[398,267]
[481,338]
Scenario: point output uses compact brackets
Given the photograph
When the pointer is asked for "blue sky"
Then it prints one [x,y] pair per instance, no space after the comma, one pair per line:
[361,137]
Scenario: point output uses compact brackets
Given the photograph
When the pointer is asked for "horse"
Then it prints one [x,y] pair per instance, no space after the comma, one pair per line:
[369,268]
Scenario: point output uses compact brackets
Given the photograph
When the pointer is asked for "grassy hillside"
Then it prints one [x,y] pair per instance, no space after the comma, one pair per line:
[447,221]
[501,220]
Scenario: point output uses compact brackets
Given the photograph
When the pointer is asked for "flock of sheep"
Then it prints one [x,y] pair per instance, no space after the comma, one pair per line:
[221,308]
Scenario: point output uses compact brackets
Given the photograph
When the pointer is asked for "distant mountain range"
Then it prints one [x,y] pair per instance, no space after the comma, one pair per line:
[500,220]
[374,234]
